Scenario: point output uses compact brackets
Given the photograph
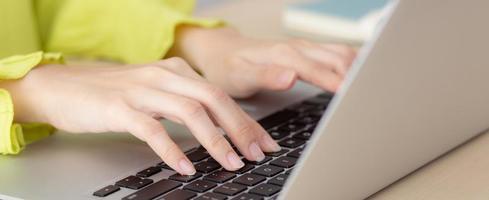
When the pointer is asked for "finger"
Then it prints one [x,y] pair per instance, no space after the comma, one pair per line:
[181,67]
[262,76]
[151,131]
[347,52]
[308,70]
[329,81]
[247,134]
[326,58]
[195,118]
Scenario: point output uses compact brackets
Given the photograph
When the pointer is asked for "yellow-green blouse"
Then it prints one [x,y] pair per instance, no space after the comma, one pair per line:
[33,32]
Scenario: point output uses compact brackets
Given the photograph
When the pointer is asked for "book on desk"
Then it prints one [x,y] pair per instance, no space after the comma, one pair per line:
[350,21]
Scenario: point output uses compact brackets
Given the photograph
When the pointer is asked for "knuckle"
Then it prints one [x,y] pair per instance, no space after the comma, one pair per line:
[170,150]
[245,130]
[192,108]
[151,72]
[284,49]
[218,141]
[244,91]
[216,93]
[348,51]
[151,130]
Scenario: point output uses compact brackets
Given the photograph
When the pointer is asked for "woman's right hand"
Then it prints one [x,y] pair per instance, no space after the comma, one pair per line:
[132,99]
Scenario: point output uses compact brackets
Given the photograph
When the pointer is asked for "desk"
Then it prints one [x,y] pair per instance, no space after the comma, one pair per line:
[460,174]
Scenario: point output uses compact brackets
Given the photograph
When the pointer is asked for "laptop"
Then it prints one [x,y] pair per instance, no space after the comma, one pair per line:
[417,90]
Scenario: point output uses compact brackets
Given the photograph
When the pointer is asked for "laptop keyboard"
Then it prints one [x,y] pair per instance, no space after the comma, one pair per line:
[291,127]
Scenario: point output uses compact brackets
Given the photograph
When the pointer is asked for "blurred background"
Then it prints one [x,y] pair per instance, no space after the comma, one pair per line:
[346,21]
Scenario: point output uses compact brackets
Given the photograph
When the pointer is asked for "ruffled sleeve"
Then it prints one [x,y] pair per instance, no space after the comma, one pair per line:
[14,136]
[130,31]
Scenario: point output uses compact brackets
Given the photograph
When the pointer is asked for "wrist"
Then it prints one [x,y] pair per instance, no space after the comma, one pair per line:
[26,97]
[199,45]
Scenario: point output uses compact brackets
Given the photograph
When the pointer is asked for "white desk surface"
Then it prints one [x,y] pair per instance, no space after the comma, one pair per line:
[460,174]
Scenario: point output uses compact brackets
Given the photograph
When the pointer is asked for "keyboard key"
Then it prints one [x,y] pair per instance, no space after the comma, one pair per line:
[230,189]
[244,169]
[127,181]
[325,95]
[311,128]
[140,184]
[278,153]
[290,127]
[179,195]
[279,179]
[277,135]
[200,186]
[291,142]
[185,178]
[211,159]
[133,182]
[316,113]
[265,189]
[303,135]
[301,107]
[246,196]
[267,170]
[266,159]
[207,166]
[317,101]
[106,191]
[193,149]
[307,120]
[249,179]
[296,153]
[284,161]
[148,172]
[277,118]
[220,176]
[164,166]
[289,171]
[198,155]
[154,190]
[211,196]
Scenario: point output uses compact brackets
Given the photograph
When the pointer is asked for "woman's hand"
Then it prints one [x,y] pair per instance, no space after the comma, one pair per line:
[132,98]
[243,66]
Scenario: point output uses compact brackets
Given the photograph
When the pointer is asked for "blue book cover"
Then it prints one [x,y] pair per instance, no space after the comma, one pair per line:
[351,21]
[348,9]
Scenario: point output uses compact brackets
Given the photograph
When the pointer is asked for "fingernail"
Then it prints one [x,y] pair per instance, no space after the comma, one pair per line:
[186,167]
[234,160]
[286,77]
[272,144]
[256,152]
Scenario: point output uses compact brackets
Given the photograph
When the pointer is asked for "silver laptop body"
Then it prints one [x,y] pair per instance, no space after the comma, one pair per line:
[417,90]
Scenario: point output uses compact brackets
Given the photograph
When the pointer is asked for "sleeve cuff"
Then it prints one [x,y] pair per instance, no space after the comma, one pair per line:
[18,66]
[14,137]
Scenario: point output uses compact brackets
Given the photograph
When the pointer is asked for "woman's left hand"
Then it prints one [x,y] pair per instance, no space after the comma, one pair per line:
[243,66]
